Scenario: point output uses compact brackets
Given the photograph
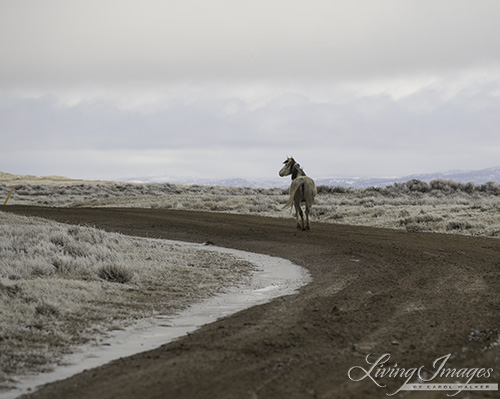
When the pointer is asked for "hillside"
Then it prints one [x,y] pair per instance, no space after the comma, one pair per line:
[12,179]
[475,176]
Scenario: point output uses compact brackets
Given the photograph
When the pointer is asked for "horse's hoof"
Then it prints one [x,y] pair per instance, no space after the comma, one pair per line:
[308,227]
[299,227]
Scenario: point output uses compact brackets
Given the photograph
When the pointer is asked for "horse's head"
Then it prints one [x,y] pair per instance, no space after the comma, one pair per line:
[287,169]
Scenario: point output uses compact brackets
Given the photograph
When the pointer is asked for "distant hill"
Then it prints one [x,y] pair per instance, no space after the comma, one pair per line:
[459,176]
[474,176]
[12,180]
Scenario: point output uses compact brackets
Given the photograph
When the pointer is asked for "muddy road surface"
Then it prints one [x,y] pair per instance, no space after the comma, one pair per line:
[415,297]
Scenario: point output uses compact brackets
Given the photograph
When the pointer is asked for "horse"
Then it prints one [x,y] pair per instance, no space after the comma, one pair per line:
[302,190]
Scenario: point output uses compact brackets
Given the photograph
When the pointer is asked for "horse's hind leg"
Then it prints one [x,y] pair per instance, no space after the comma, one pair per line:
[308,227]
[299,212]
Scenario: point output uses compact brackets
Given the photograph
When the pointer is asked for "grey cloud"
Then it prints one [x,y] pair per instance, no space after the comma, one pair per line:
[365,135]
[61,42]
[194,86]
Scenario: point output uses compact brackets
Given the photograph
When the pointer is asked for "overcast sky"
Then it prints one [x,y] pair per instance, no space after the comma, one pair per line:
[111,89]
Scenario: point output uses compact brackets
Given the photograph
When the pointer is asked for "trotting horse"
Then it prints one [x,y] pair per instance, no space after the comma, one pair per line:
[302,190]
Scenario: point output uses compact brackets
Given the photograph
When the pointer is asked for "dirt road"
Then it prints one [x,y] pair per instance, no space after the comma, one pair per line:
[417,297]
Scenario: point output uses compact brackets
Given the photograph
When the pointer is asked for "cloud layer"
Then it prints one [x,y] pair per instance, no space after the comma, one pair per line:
[127,88]
[68,41]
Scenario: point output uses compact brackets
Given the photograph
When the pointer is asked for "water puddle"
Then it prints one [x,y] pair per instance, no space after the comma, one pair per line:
[272,278]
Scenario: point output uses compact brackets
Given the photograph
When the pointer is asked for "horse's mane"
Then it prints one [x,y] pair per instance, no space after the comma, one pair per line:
[297,171]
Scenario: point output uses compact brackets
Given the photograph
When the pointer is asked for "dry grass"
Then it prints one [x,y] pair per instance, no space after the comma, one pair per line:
[457,213]
[62,285]
[441,206]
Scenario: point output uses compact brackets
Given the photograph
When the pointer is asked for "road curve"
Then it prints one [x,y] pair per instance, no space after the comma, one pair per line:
[415,296]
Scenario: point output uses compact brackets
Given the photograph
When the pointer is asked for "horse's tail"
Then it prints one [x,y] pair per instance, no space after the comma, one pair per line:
[293,190]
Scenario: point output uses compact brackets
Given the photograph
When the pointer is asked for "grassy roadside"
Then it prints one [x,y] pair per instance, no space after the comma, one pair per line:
[62,286]
[440,206]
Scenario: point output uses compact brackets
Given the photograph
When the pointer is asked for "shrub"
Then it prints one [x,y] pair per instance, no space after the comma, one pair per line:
[492,188]
[46,309]
[418,186]
[458,225]
[445,186]
[413,228]
[115,273]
